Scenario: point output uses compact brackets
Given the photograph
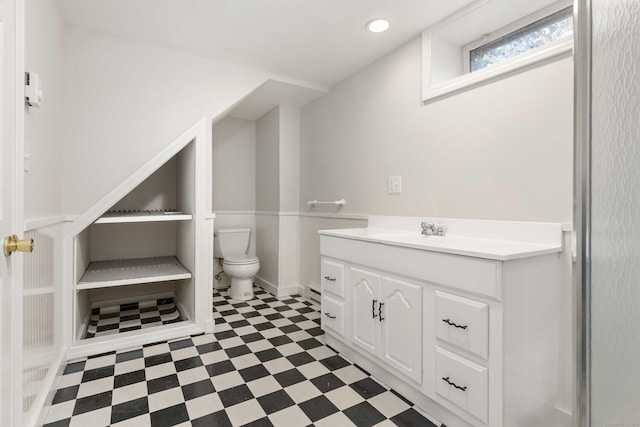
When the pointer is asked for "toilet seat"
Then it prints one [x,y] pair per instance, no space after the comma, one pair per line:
[240,259]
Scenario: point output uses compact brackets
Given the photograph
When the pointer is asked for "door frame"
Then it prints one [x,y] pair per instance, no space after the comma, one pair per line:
[582,211]
[11,406]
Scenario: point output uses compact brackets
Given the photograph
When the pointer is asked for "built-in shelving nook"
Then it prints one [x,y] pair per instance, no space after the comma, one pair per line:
[140,255]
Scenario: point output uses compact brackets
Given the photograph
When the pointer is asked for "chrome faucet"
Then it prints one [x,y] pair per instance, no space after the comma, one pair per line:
[432,229]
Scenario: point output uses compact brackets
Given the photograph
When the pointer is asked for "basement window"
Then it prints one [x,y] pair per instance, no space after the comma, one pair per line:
[537,34]
[492,39]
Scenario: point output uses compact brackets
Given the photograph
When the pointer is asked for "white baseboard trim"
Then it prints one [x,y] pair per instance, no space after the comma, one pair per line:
[277,291]
[40,407]
[286,291]
[265,285]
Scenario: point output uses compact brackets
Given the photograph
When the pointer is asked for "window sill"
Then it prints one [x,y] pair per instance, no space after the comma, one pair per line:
[550,52]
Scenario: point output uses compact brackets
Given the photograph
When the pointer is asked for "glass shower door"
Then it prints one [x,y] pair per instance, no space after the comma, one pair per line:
[615,214]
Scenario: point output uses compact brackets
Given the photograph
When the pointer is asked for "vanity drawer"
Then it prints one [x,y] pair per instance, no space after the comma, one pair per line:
[463,323]
[463,383]
[333,316]
[333,277]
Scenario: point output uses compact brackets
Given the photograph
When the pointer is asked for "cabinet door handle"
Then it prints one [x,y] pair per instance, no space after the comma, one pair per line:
[380,311]
[329,278]
[329,315]
[451,383]
[449,322]
[373,309]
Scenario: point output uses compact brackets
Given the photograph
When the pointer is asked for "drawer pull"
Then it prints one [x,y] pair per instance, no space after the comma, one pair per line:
[449,322]
[380,311]
[373,309]
[446,379]
[330,316]
[329,278]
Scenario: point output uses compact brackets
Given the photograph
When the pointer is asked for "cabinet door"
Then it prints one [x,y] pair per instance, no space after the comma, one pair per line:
[365,296]
[401,323]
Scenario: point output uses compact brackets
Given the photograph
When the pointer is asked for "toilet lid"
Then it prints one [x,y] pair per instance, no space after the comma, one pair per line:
[240,259]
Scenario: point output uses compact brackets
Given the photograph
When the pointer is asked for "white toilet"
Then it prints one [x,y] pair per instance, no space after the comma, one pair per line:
[231,244]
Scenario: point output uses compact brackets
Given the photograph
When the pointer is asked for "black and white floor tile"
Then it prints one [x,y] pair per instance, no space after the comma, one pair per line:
[266,365]
[113,319]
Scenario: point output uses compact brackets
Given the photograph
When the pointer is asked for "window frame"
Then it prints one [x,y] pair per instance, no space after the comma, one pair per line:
[508,29]
[465,80]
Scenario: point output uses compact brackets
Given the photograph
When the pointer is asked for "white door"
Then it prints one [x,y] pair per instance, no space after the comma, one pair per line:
[11,220]
[365,299]
[402,326]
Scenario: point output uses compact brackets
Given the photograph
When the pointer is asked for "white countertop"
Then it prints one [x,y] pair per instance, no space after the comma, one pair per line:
[495,249]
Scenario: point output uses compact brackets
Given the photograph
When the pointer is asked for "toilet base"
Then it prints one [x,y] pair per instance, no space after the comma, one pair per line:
[241,289]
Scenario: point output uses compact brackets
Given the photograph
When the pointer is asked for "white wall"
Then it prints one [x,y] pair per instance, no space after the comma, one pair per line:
[234,165]
[43,286]
[268,162]
[44,53]
[289,159]
[126,101]
[158,191]
[501,151]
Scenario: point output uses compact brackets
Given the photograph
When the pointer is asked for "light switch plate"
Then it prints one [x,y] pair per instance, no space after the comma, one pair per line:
[394,185]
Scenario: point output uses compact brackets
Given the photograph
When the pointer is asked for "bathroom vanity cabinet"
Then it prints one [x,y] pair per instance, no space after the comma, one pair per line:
[465,327]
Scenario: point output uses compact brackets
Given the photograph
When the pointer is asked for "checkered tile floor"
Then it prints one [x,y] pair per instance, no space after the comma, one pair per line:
[265,366]
[130,317]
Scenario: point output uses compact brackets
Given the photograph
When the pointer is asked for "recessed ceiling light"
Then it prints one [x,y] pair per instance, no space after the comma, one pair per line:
[378,25]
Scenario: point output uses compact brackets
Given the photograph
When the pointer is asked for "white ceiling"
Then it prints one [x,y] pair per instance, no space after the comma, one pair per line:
[270,94]
[319,42]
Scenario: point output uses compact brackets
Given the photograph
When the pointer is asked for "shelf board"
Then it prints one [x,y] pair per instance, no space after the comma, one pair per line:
[142,216]
[104,274]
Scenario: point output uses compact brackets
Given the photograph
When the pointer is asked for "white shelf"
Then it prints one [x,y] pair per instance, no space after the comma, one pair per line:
[103,274]
[142,216]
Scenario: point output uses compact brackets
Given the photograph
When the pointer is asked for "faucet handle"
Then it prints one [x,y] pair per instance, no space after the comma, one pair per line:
[428,228]
[431,228]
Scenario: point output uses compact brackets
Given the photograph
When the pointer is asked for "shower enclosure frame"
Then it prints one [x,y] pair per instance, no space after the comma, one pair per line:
[582,211]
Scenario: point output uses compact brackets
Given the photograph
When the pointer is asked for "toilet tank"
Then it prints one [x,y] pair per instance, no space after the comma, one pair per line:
[230,241]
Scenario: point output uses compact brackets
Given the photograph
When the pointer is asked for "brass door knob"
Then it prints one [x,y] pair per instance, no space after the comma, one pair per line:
[12,244]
